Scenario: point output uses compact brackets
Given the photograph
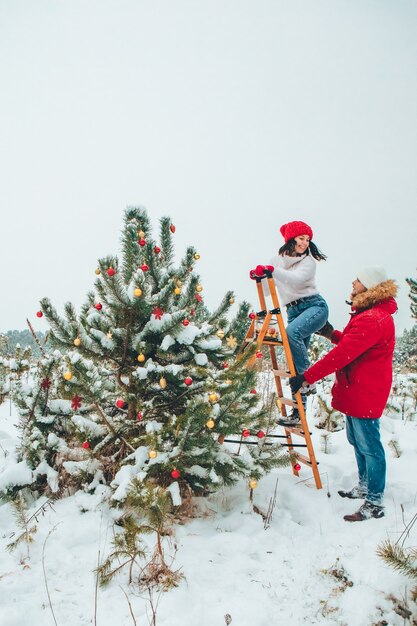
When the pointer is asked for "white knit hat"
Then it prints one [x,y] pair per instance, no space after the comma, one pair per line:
[372,276]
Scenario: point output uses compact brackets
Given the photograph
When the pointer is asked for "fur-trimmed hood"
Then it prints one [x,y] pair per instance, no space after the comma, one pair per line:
[384,292]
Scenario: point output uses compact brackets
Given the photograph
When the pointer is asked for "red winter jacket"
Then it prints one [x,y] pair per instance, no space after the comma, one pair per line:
[362,358]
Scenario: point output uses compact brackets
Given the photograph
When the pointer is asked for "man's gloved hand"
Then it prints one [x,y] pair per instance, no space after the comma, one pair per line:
[325,331]
[296,382]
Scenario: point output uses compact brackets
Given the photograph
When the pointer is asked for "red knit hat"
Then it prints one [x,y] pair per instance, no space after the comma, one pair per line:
[294,229]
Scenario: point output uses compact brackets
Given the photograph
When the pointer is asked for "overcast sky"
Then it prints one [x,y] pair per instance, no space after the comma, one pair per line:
[231,116]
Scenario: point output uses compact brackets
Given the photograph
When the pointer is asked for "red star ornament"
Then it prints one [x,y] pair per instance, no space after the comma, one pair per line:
[157,312]
[76,403]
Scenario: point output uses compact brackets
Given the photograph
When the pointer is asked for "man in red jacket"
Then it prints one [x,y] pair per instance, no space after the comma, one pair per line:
[362,360]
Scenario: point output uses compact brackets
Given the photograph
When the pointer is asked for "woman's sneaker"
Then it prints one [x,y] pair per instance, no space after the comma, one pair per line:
[366,511]
[291,420]
[354,493]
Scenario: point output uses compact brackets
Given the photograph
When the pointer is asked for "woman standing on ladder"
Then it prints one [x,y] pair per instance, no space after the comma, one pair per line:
[307,311]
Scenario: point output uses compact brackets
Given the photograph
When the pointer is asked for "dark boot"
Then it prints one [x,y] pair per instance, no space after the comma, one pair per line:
[354,493]
[366,511]
[292,420]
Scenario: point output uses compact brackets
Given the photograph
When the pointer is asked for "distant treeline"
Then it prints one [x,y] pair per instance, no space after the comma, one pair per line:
[405,354]
[12,338]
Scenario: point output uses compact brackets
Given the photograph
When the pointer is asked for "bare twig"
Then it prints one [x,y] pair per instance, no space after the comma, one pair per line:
[130,606]
[97,574]
[36,338]
[44,573]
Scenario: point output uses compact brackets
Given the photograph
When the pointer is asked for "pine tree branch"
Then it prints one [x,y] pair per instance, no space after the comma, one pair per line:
[111,427]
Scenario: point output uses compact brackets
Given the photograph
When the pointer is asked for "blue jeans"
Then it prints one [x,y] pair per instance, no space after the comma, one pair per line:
[303,320]
[363,435]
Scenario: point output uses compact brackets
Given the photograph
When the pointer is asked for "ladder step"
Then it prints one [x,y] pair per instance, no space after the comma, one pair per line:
[286,401]
[304,459]
[281,373]
[295,430]
[245,442]
[272,342]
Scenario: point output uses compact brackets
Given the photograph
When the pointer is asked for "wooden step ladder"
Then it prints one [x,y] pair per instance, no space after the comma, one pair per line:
[268,329]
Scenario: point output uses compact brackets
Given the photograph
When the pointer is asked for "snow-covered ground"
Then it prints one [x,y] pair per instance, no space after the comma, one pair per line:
[232,565]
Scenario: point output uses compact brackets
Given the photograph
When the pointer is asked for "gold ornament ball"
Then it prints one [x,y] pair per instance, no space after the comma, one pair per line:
[199,288]
[141,357]
[231,301]
[141,234]
[213,397]
[67,375]
[197,256]
[162,382]
[177,291]
[153,454]
[98,272]
[137,292]
[77,341]
[220,333]
[228,381]
[210,424]
[253,483]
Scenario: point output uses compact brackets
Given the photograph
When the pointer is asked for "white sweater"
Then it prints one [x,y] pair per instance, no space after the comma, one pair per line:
[295,277]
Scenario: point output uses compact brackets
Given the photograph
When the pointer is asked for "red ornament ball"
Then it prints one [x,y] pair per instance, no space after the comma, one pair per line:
[98,306]
[39,314]
[246,432]
[139,416]
[111,271]
[142,242]
[157,249]
[144,267]
[260,434]
[252,316]
[120,403]
[192,312]
[172,228]
[225,366]
[188,381]
[175,473]
[297,467]
[85,445]
[185,322]
[259,355]
[253,391]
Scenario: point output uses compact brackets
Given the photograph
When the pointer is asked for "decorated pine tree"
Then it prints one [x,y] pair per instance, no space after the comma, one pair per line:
[145,384]
[413,296]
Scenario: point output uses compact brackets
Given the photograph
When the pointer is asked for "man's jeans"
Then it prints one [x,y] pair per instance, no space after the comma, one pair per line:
[363,435]
[303,320]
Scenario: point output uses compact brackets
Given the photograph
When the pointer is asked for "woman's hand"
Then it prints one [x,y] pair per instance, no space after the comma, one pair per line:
[326,331]
[296,382]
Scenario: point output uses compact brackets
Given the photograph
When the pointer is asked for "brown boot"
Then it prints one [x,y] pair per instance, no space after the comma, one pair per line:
[366,511]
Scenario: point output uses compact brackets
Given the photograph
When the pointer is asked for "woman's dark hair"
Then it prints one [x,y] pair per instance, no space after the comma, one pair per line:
[289,247]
